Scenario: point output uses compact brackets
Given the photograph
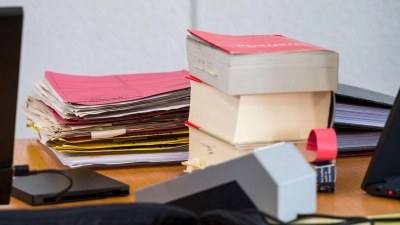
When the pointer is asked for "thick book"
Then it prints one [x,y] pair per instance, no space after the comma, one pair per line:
[364,95]
[361,108]
[206,150]
[258,118]
[255,64]
[355,140]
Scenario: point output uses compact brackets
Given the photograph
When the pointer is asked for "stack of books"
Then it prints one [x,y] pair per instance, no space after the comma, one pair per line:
[255,90]
[112,120]
[360,117]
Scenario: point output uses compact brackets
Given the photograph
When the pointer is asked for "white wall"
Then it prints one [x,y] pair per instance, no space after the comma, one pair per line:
[94,37]
[97,38]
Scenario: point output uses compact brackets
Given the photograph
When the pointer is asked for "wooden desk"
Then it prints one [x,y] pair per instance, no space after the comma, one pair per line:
[348,199]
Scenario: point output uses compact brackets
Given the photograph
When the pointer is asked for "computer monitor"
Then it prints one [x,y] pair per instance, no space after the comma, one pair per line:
[10,49]
[383,174]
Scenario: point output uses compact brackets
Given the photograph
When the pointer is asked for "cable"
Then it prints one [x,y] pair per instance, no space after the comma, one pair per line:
[23,170]
[347,220]
[264,214]
[387,219]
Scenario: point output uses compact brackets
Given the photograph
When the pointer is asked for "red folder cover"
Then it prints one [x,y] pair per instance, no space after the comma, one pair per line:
[96,90]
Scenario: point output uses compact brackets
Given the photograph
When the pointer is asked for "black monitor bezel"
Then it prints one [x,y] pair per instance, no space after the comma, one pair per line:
[385,162]
[11,20]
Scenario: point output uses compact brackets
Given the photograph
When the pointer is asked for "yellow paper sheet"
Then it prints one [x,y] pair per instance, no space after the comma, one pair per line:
[124,138]
[111,144]
[141,149]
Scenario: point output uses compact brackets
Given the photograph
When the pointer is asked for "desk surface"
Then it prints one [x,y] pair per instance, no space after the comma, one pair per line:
[348,198]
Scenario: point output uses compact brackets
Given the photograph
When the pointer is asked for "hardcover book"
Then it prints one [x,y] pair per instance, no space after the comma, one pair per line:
[361,108]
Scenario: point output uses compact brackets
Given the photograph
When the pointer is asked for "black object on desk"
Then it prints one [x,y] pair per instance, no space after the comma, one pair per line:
[10,48]
[383,174]
[40,189]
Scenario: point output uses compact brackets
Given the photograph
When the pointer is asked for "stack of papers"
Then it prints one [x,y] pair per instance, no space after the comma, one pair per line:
[112,120]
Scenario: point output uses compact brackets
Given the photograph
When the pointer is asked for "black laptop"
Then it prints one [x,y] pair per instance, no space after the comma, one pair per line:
[383,174]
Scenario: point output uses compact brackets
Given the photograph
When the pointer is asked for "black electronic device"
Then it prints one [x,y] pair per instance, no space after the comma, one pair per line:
[40,189]
[383,174]
[11,19]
